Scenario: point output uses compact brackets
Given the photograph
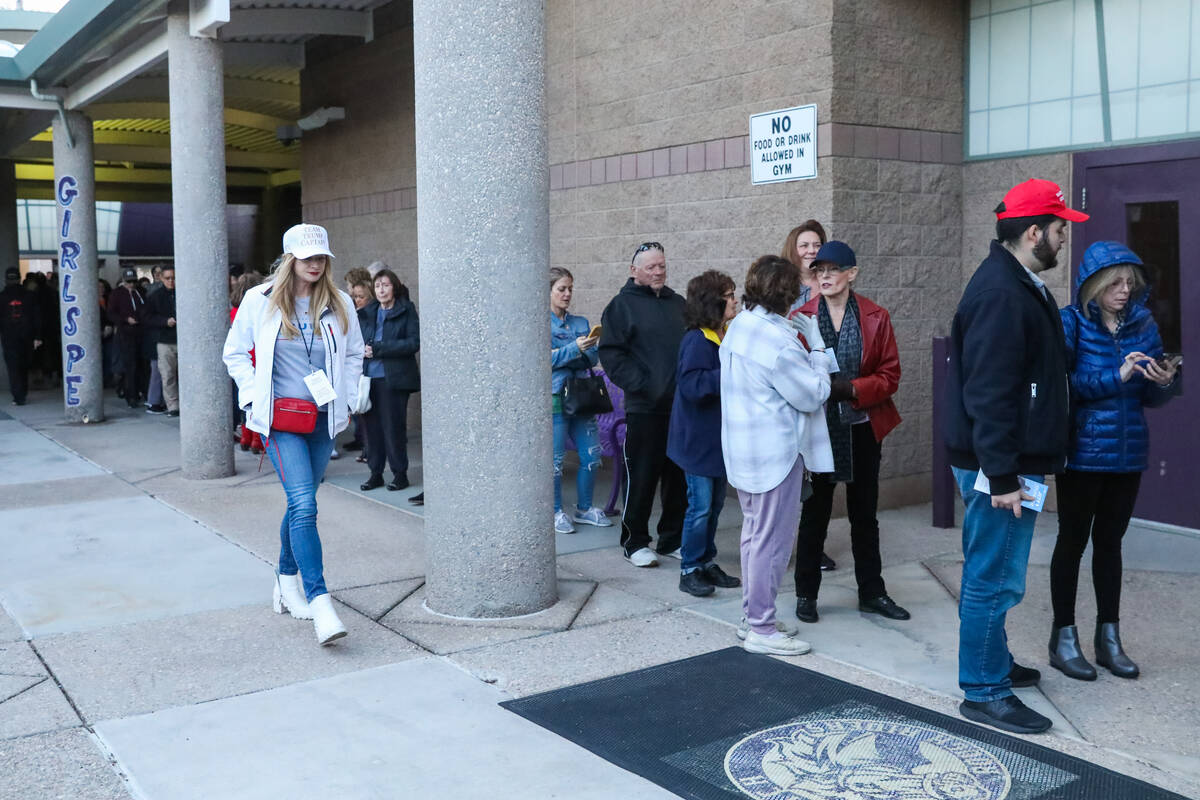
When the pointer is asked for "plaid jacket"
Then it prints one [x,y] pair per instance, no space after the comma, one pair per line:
[772,397]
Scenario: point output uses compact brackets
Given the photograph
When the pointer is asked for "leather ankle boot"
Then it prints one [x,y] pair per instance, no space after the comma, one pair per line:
[289,597]
[1109,652]
[325,620]
[1066,656]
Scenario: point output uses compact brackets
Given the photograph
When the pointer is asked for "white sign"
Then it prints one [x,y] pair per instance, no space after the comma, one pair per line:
[783,145]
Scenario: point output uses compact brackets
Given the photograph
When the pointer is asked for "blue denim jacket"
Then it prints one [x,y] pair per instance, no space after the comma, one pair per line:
[565,359]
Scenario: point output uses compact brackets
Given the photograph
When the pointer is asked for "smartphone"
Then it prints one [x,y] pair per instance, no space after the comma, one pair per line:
[1169,360]
[594,333]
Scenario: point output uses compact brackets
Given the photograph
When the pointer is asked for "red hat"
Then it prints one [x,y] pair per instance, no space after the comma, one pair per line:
[1036,197]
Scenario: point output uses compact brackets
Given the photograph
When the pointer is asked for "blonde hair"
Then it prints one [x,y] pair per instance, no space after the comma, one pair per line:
[1099,282]
[325,295]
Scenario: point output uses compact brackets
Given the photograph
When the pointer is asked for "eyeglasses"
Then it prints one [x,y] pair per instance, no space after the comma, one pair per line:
[729,295]
[644,246]
[826,269]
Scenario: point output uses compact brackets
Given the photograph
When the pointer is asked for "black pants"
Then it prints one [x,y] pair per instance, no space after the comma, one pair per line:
[136,372]
[1095,505]
[17,355]
[862,501]
[387,429]
[648,467]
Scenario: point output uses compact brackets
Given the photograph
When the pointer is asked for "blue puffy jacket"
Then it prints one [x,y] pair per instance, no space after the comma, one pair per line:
[1108,425]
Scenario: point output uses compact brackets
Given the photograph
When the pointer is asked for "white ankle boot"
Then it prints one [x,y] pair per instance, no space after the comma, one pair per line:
[289,597]
[329,628]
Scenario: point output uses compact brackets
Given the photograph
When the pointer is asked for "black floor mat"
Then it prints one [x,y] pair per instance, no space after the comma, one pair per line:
[730,724]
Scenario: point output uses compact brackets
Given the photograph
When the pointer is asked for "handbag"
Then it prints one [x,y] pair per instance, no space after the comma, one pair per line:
[364,396]
[293,415]
[586,396]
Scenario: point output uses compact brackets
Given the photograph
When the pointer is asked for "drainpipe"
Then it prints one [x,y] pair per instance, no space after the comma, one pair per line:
[62,111]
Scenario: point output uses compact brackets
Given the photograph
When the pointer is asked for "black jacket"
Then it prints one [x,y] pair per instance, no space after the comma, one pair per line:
[639,345]
[20,316]
[160,306]
[399,345]
[1007,392]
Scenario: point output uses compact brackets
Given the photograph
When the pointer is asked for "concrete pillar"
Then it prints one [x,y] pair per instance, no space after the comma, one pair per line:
[78,272]
[10,246]
[483,237]
[197,98]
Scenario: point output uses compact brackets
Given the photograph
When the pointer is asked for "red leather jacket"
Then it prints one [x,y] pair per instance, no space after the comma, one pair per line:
[879,374]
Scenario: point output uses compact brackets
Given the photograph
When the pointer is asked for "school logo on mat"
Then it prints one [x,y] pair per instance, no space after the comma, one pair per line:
[864,759]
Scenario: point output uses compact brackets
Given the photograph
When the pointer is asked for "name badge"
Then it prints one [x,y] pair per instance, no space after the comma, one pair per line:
[321,388]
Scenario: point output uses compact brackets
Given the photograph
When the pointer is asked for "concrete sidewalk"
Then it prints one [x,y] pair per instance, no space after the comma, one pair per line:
[139,656]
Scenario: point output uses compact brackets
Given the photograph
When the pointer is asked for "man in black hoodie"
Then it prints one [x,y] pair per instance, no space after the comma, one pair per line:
[639,348]
[160,320]
[1006,419]
[19,329]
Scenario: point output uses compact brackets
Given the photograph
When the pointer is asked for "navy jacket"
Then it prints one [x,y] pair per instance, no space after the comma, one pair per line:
[398,348]
[1109,427]
[639,346]
[1006,390]
[694,438]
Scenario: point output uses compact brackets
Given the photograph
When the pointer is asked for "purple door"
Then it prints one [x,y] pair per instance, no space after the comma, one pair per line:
[1149,198]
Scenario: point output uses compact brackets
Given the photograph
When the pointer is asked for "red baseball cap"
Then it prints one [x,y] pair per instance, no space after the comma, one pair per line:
[1036,197]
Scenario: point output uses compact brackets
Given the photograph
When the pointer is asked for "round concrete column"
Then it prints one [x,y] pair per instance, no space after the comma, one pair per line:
[483,234]
[197,97]
[78,275]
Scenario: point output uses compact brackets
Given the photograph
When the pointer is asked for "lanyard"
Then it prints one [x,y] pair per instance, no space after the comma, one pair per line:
[308,342]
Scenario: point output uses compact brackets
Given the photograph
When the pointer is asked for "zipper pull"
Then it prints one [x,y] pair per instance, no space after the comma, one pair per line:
[1033,390]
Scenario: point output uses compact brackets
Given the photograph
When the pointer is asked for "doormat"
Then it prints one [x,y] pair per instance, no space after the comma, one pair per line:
[731,724]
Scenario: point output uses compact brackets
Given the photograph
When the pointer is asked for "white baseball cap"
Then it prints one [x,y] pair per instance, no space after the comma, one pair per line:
[306,241]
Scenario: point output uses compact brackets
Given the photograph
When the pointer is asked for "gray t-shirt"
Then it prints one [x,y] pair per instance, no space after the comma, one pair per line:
[296,359]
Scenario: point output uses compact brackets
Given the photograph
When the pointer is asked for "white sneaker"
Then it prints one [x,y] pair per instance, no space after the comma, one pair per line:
[676,554]
[777,644]
[335,455]
[782,626]
[643,558]
[593,516]
[562,523]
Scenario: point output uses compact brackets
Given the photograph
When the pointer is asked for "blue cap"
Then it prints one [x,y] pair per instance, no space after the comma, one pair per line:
[835,252]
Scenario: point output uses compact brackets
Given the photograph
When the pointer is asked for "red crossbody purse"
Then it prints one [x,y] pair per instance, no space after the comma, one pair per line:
[293,415]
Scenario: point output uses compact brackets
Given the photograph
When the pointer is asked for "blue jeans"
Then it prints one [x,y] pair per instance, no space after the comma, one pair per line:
[587,441]
[706,498]
[995,556]
[300,461]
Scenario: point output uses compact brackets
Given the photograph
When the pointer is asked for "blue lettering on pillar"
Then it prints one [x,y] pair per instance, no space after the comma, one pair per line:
[75,354]
[69,252]
[66,288]
[66,228]
[70,329]
[66,190]
[72,382]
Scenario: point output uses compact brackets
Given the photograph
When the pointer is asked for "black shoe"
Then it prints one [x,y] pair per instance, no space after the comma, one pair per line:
[373,482]
[1007,714]
[174,413]
[417,499]
[806,609]
[133,404]
[884,606]
[717,577]
[827,563]
[1023,676]
[352,446]
[397,484]
[1109,652]
[156,409]
[1067,657]
[695,584]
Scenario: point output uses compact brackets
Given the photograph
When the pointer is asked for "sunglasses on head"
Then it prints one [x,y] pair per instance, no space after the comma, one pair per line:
[644,246]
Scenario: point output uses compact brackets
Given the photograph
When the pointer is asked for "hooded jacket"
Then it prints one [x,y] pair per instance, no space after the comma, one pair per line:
[1108,424]
[639,345]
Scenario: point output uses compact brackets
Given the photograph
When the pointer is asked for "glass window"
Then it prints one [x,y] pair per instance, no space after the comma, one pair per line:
[37,222]
[1153,233]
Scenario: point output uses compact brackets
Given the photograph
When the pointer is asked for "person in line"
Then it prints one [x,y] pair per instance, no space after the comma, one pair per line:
[303,333]
[160,320]
[772,429]
[1114,346]
[1006,419]
[859,414]
[572,354]
[641,329]
[392,334]
[126,309]
[362,292]
[694,440]
[107,347]
[246,438]
[19,325]
[152,336]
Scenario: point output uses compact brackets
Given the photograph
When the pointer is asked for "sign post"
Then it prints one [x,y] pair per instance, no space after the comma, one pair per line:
[783,145]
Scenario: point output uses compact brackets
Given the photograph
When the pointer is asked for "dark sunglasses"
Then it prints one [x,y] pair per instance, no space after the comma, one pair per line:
[644,246]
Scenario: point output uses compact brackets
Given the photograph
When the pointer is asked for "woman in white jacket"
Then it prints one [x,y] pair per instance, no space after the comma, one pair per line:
[772,428]
[304,333]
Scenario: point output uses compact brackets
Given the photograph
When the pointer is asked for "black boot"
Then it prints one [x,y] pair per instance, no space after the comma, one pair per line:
[373,482]
[1066,656]
[1109,652]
